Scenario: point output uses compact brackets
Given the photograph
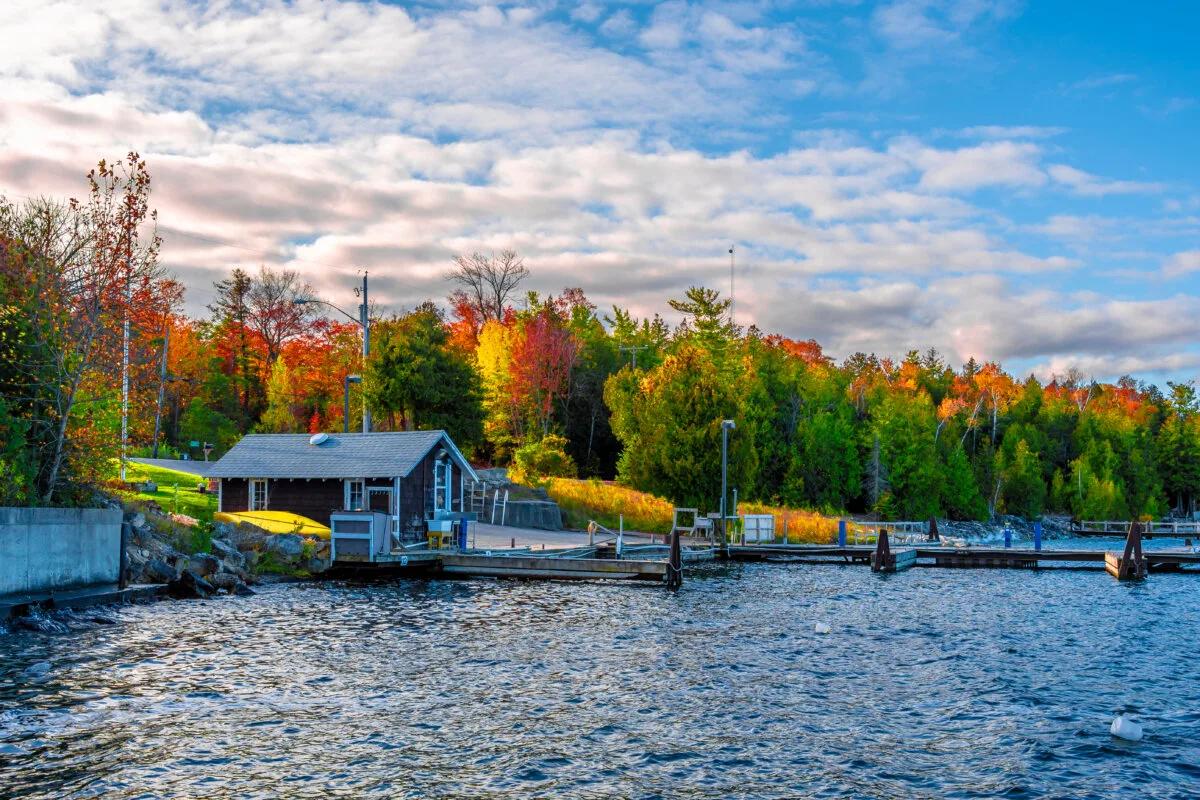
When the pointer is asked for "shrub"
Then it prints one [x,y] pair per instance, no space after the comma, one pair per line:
[547,458]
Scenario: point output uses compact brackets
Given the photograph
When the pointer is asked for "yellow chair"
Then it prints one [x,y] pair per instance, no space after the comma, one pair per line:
[438,540]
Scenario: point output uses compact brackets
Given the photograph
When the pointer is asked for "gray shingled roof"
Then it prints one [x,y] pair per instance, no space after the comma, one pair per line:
[342,455]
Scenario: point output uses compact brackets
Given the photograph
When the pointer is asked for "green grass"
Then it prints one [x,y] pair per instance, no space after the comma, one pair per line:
[184,500]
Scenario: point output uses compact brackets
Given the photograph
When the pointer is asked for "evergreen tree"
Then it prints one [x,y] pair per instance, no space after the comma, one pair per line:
[1023,490]
[417,381]
[677,412]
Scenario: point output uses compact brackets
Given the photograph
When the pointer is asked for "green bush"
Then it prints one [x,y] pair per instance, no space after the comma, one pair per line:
[536,461]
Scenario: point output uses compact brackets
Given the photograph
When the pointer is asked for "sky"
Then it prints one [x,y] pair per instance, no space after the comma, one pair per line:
[999,180]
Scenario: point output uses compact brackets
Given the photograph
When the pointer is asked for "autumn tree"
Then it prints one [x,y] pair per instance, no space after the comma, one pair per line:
[274,313]
[231,312]
[74,272]
[486,283]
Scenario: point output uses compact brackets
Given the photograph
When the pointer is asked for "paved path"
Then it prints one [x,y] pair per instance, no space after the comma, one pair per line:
[179,465]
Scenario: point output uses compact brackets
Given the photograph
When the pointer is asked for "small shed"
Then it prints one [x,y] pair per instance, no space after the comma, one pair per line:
[411,476]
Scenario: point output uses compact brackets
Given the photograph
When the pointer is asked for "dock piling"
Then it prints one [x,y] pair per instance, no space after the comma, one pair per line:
[883,552]
[1037,535]
[675,563]
[841,533]
[1131,564]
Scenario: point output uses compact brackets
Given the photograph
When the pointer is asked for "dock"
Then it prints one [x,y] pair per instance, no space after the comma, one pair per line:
[530,566]
[1116,529]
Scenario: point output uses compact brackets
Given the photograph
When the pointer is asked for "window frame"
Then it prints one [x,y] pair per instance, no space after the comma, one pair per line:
[251,491]
[348,497]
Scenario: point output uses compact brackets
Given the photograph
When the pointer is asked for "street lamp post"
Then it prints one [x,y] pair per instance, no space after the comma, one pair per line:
[363,321]
[726,426]
[349,379]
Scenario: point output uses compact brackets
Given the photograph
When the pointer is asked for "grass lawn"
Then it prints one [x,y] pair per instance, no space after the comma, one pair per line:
[187,500]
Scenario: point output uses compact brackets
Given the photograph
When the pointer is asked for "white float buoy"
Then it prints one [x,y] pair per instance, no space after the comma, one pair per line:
[1125,728]
[822,627]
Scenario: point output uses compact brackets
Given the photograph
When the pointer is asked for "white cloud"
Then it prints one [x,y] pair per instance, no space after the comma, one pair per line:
[1089,185]
[332,136]
[991,164]
[1182,264]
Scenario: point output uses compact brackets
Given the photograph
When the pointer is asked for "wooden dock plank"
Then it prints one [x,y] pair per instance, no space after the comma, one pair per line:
[551,567]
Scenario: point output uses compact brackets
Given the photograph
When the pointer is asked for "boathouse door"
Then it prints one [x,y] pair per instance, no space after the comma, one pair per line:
[379,498]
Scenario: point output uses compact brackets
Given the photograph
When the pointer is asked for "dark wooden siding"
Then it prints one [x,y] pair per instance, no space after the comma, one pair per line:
[314,499]
[234,494]
[416,491]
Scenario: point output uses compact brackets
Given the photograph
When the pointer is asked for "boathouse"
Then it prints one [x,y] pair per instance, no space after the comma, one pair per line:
[412,476]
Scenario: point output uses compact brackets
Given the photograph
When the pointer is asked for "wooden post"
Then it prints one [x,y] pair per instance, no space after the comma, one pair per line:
[882,558]
[933,529]
[1130,565]
[785,536]
[675,563]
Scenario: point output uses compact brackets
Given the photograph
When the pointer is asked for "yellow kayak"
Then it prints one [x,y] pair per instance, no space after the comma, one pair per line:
[275,522]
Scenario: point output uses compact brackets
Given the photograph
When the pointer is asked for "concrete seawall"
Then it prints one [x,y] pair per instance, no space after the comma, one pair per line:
[48,549]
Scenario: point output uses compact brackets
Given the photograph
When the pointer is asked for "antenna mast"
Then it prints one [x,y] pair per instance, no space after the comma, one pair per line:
[731,284]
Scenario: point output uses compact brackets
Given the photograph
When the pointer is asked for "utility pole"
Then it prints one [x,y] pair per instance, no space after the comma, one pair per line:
[633,351]
[162,386]
[125,356]
[365,311]
[731,285]
[726,426]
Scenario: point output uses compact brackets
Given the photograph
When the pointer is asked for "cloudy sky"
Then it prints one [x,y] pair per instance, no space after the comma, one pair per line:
[1003,180]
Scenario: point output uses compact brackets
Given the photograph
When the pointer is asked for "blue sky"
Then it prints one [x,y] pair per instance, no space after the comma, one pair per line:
[1002,180]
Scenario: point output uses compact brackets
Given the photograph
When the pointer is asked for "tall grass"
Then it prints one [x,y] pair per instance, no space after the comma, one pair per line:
[605,502]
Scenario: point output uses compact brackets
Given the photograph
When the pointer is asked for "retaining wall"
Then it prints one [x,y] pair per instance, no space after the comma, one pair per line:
[46,549]
[541,514]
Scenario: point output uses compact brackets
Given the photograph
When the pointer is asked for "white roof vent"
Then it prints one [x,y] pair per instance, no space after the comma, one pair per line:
[318,439]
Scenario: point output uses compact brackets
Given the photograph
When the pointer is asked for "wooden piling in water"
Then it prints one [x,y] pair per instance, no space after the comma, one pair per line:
[1131,564]
[675,563]
[884,559]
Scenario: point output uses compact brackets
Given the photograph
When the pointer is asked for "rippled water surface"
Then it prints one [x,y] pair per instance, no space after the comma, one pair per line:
[932,683]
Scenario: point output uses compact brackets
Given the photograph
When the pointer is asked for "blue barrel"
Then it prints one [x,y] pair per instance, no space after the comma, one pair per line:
[841,533]
[462,533]
[1037,535]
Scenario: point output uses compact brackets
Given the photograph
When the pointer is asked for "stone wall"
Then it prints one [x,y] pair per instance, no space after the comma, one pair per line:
[541,514]
[46,549]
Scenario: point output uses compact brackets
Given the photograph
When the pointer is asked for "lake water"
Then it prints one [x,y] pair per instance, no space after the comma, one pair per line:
[933,683]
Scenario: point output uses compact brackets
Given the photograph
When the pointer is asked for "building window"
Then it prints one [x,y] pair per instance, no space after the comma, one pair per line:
[354,495]
[258,495]
[441,486]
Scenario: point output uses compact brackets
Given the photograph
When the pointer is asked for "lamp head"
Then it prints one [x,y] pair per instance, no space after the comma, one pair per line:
[728,424]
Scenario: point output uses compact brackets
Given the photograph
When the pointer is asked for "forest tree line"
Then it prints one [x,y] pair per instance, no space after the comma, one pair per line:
[548,384]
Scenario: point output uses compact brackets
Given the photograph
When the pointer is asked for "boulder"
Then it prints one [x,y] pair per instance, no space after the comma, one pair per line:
[204,565]
[316,565]
[226,551]
[231,584]
[158,571]
[135,518]
[289,545]
[189,585]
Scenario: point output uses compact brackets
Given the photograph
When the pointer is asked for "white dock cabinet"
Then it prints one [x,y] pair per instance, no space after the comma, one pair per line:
[359,535]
